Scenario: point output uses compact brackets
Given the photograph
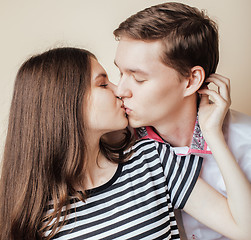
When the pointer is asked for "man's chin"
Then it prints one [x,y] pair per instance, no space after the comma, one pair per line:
[134,124]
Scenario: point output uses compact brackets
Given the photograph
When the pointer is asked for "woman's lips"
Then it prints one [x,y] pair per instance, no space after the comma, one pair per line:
[128,110]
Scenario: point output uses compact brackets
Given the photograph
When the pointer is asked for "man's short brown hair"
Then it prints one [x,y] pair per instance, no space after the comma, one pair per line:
[188,35]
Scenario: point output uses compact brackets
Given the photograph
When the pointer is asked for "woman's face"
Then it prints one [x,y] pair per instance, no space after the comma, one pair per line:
[105,112]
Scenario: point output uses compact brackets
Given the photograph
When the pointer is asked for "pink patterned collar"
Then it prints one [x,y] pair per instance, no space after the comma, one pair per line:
[198,144]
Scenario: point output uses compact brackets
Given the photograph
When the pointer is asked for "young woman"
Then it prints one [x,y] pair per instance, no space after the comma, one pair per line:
[61,179]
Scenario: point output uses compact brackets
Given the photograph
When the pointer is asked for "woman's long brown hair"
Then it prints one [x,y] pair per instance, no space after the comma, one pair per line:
[45,144]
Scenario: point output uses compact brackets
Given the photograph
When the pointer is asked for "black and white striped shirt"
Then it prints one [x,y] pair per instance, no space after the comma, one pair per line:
[138,202]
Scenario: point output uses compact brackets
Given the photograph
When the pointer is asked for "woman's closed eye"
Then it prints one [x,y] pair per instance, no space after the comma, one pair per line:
[104,85]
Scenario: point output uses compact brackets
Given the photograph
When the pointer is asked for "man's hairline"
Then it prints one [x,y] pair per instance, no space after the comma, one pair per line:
[161,53]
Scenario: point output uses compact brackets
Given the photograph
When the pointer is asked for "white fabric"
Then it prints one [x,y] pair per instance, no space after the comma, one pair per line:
[237,131]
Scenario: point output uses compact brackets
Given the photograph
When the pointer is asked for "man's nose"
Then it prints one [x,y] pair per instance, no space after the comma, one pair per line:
[123,89]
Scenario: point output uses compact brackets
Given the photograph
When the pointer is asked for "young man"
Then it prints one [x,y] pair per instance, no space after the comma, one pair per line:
[164,55]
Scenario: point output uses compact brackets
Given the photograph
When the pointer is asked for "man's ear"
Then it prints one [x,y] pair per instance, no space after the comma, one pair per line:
[195,80]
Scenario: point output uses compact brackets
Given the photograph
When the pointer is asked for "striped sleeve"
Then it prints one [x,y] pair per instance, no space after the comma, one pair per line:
[181,173]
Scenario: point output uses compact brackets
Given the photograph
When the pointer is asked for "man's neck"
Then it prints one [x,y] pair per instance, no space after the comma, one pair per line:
[178,129]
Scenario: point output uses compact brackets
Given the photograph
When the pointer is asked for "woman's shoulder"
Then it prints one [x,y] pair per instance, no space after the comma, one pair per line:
[144,144]
[144,150]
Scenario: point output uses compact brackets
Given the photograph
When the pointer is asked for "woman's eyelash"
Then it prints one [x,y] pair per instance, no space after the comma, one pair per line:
[104,85]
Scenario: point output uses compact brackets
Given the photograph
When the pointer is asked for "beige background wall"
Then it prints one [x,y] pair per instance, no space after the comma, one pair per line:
[29,27]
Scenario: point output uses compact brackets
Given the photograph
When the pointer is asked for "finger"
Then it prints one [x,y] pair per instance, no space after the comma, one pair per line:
[216,97]
[204,99]
[219,80]
[223,87]
[222,78]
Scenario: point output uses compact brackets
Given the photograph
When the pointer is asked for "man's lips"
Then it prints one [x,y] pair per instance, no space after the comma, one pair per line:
[128,110]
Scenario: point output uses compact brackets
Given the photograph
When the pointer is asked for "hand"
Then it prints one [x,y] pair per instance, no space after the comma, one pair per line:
[212,112]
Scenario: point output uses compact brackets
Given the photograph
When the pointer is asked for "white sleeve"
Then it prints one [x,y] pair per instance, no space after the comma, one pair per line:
[238,136]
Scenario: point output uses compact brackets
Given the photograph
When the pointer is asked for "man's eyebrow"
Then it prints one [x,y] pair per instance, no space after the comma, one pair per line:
[138,71]
[133,70]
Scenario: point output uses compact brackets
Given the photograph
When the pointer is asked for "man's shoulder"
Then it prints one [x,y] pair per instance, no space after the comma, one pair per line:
[239,117]
[237,131]
[237,124]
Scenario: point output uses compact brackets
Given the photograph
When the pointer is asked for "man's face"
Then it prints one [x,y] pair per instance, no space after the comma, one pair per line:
[153,93]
